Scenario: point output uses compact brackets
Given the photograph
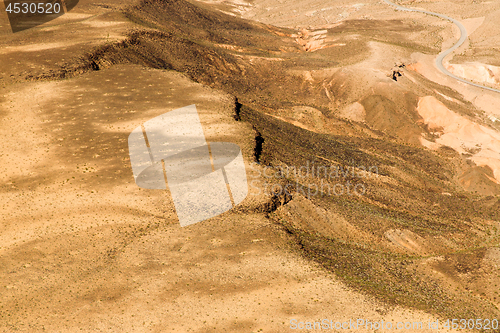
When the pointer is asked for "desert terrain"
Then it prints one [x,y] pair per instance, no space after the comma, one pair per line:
[340,85]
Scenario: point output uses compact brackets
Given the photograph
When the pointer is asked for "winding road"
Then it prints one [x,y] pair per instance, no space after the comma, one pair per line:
[442,55]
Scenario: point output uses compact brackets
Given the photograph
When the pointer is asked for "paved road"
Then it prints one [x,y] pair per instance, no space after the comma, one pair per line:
[442,55]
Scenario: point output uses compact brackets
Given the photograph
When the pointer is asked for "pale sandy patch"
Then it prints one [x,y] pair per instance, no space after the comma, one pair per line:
[407,240]
[429,144]
[462,134]
[477,72]
[34,47]
[448,98]
[493,256]
[487,101]
[24,145]
[101,24]
[354,112]
[472,24]
[76,16]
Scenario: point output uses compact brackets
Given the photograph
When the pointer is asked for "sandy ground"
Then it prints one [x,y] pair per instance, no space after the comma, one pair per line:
[111,250]
[83,248]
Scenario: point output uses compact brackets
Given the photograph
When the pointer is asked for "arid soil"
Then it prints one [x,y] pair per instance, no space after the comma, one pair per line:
[295,84]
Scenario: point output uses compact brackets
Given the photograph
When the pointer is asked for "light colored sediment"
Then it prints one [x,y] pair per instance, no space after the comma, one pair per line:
[477,72]
[354,112]
[487,101]
[462,134]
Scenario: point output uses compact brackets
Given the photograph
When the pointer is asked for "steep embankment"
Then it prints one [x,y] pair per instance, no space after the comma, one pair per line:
[415,192]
